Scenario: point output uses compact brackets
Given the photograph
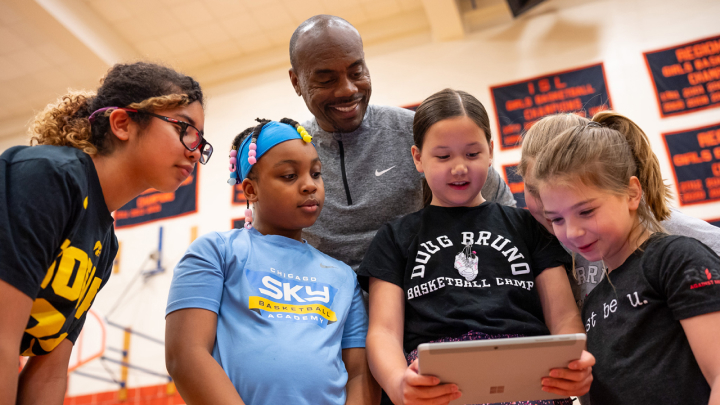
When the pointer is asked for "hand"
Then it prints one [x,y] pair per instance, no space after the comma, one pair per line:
[425,389]
[572,381]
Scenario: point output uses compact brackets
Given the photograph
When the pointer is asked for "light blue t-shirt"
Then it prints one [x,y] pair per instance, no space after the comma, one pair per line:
[285,312]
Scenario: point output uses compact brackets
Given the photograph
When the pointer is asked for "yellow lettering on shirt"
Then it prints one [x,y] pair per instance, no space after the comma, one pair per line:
[49,319]
[86,283]
[50,344]
[71,258]
[94,287]
[51,269]
[256,302]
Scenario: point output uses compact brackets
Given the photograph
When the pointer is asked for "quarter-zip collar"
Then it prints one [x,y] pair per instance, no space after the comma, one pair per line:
[324,136]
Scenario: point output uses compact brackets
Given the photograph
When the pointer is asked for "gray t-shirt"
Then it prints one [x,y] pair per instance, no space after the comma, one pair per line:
[589,274]
[370,179]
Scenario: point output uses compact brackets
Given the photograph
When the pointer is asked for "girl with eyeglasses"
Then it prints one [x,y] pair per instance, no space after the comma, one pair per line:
[91,154]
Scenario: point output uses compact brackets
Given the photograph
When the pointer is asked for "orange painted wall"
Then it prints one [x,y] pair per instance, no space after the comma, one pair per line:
[151,395]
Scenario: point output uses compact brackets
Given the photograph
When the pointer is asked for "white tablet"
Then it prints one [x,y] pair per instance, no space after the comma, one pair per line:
[500,370]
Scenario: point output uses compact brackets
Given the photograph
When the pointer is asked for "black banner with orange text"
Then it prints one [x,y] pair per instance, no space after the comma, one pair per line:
[695,158]
[237,223]
[153,205]
[516,183]
[238,196]
[686,77]
[519,105]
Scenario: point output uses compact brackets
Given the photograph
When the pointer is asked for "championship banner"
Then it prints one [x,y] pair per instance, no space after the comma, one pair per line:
[519,105]
[153,205]
[516,183]
[686,77]
[237,223]
[695,158]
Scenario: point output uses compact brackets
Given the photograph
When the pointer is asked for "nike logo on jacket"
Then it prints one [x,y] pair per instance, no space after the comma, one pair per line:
[378,173]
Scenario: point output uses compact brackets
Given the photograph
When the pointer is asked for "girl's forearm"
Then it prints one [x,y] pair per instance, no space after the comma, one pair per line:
[387,363]
[44,378]
[201,380]
[41,386]
[8,374]
[571,324]
[715,391]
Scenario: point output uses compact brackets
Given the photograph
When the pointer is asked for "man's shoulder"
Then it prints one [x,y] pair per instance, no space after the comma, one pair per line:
[686,225]
[390,114]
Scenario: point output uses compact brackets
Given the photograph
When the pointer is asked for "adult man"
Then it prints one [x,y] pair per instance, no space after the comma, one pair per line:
[368,169]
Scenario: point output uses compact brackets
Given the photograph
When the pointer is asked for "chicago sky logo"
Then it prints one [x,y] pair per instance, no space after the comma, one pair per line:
[291,298]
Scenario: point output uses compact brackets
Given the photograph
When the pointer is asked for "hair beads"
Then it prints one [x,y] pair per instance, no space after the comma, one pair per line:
[233,166]
[252,153]
[304,134]
[245,152]
[249,146]
[248,217]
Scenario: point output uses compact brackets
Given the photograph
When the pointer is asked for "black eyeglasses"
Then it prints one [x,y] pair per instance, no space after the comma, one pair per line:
[191,137]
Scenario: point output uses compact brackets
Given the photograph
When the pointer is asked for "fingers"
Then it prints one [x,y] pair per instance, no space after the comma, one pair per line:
[412,377]
[426,389]
[568,382]
[586,360]
[440,394]
[571,375]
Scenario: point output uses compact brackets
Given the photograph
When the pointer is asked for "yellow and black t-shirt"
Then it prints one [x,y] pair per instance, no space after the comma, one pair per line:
[57,240]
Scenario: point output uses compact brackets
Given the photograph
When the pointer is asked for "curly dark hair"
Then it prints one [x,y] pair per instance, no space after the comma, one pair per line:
[141,85]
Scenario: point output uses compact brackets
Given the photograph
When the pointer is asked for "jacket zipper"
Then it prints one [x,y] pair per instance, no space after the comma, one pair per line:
[344,176]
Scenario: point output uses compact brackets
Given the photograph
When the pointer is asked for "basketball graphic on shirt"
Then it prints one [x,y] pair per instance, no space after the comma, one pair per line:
[466,263]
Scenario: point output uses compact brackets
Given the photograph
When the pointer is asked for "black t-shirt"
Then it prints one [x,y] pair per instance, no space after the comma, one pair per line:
[633,324]
[57,241]
[463,269]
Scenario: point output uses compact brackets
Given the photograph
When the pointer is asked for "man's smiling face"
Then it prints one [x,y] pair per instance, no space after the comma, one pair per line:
[332,78]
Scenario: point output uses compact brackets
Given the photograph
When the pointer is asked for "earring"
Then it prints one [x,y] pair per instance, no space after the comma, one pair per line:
[248,217]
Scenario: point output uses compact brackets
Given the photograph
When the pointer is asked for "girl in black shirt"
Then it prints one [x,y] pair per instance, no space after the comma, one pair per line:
[462,268]
[92,154]
[653,323]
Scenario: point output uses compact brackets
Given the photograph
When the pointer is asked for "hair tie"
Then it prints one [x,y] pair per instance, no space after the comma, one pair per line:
[96,113]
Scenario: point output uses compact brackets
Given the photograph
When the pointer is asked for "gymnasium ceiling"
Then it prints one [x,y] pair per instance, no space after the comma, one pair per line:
[49,46]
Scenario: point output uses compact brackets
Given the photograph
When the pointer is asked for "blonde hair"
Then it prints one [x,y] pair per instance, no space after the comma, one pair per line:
[606,153]
[541,133]
[141,86]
